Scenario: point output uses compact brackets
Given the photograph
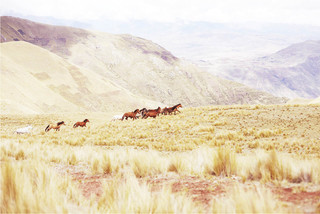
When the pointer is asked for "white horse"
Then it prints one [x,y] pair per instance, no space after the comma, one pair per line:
[117,117]
[24,130]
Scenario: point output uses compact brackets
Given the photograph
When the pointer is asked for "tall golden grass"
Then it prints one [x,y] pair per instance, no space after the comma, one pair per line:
[31,187]
[251,144]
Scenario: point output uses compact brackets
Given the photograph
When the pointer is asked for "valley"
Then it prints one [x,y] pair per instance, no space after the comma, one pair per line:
[245,141]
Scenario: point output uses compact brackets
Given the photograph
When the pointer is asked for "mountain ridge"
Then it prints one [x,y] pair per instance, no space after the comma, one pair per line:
[137,65]
[291,72]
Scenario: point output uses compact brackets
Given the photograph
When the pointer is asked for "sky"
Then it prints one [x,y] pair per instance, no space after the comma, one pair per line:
[305,12]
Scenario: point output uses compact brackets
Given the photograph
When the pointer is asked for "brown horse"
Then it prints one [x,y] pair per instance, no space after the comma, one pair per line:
[131,114]
[56,127]
[174,108]
[81,124]
[152,113]
[164,111]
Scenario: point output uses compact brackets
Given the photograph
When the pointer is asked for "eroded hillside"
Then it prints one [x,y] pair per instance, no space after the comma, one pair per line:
[35,80]
[138,65]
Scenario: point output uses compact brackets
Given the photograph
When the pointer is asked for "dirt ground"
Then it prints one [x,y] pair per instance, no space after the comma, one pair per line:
[201,190]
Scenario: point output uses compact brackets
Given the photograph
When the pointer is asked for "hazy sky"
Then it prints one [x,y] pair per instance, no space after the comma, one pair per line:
[272,11]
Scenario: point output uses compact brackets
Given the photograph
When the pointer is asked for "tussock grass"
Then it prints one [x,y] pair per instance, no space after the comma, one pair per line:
[227,135]
[223,163]
[30,187]
[130,196]
[264,144]
[249,200]
[272,166]
[147,163]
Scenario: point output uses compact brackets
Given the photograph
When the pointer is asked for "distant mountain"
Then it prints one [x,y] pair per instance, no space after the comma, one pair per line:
[199,40]
[136,65]
[291,72]
[215,41]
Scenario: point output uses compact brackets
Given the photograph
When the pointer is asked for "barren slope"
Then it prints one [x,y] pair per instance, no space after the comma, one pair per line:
[138,65]
[34,80]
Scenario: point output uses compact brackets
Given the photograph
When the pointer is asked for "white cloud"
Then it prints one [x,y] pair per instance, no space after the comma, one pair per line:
[277,11]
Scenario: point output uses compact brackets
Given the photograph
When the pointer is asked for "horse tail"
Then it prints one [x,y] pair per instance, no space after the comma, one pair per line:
[122,117]
[75,125]
[47,128]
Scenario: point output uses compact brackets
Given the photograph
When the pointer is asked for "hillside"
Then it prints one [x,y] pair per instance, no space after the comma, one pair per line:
[291,72]
[34,80]
[135,64]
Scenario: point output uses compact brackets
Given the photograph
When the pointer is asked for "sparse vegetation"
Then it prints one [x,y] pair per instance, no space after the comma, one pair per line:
[206,159]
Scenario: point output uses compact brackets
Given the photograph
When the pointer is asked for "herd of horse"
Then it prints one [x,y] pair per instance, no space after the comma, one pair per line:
[145,113]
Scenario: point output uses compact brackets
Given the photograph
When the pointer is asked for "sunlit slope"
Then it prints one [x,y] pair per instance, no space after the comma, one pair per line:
[34,80]
[147,69]
[138,65]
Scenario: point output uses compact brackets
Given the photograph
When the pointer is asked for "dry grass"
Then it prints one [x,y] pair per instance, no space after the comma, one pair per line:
[32,187]
[134,197]
[249,200]
[249,144]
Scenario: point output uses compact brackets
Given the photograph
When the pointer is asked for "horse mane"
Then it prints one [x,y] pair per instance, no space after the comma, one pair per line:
[176,105]
[58,124]
[85,120]
[135,111]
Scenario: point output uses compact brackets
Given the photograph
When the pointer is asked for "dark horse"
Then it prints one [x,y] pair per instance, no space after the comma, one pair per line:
[56,127]
[174,108]
[152,113]
[81,124]
[131,114]
[143,112]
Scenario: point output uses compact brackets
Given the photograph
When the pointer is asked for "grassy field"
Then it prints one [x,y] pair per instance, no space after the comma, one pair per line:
[208,159]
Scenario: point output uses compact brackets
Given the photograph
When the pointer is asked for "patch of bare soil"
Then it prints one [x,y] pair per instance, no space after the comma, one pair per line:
[199,189]
[202,190]
[306,199]
[88,184]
